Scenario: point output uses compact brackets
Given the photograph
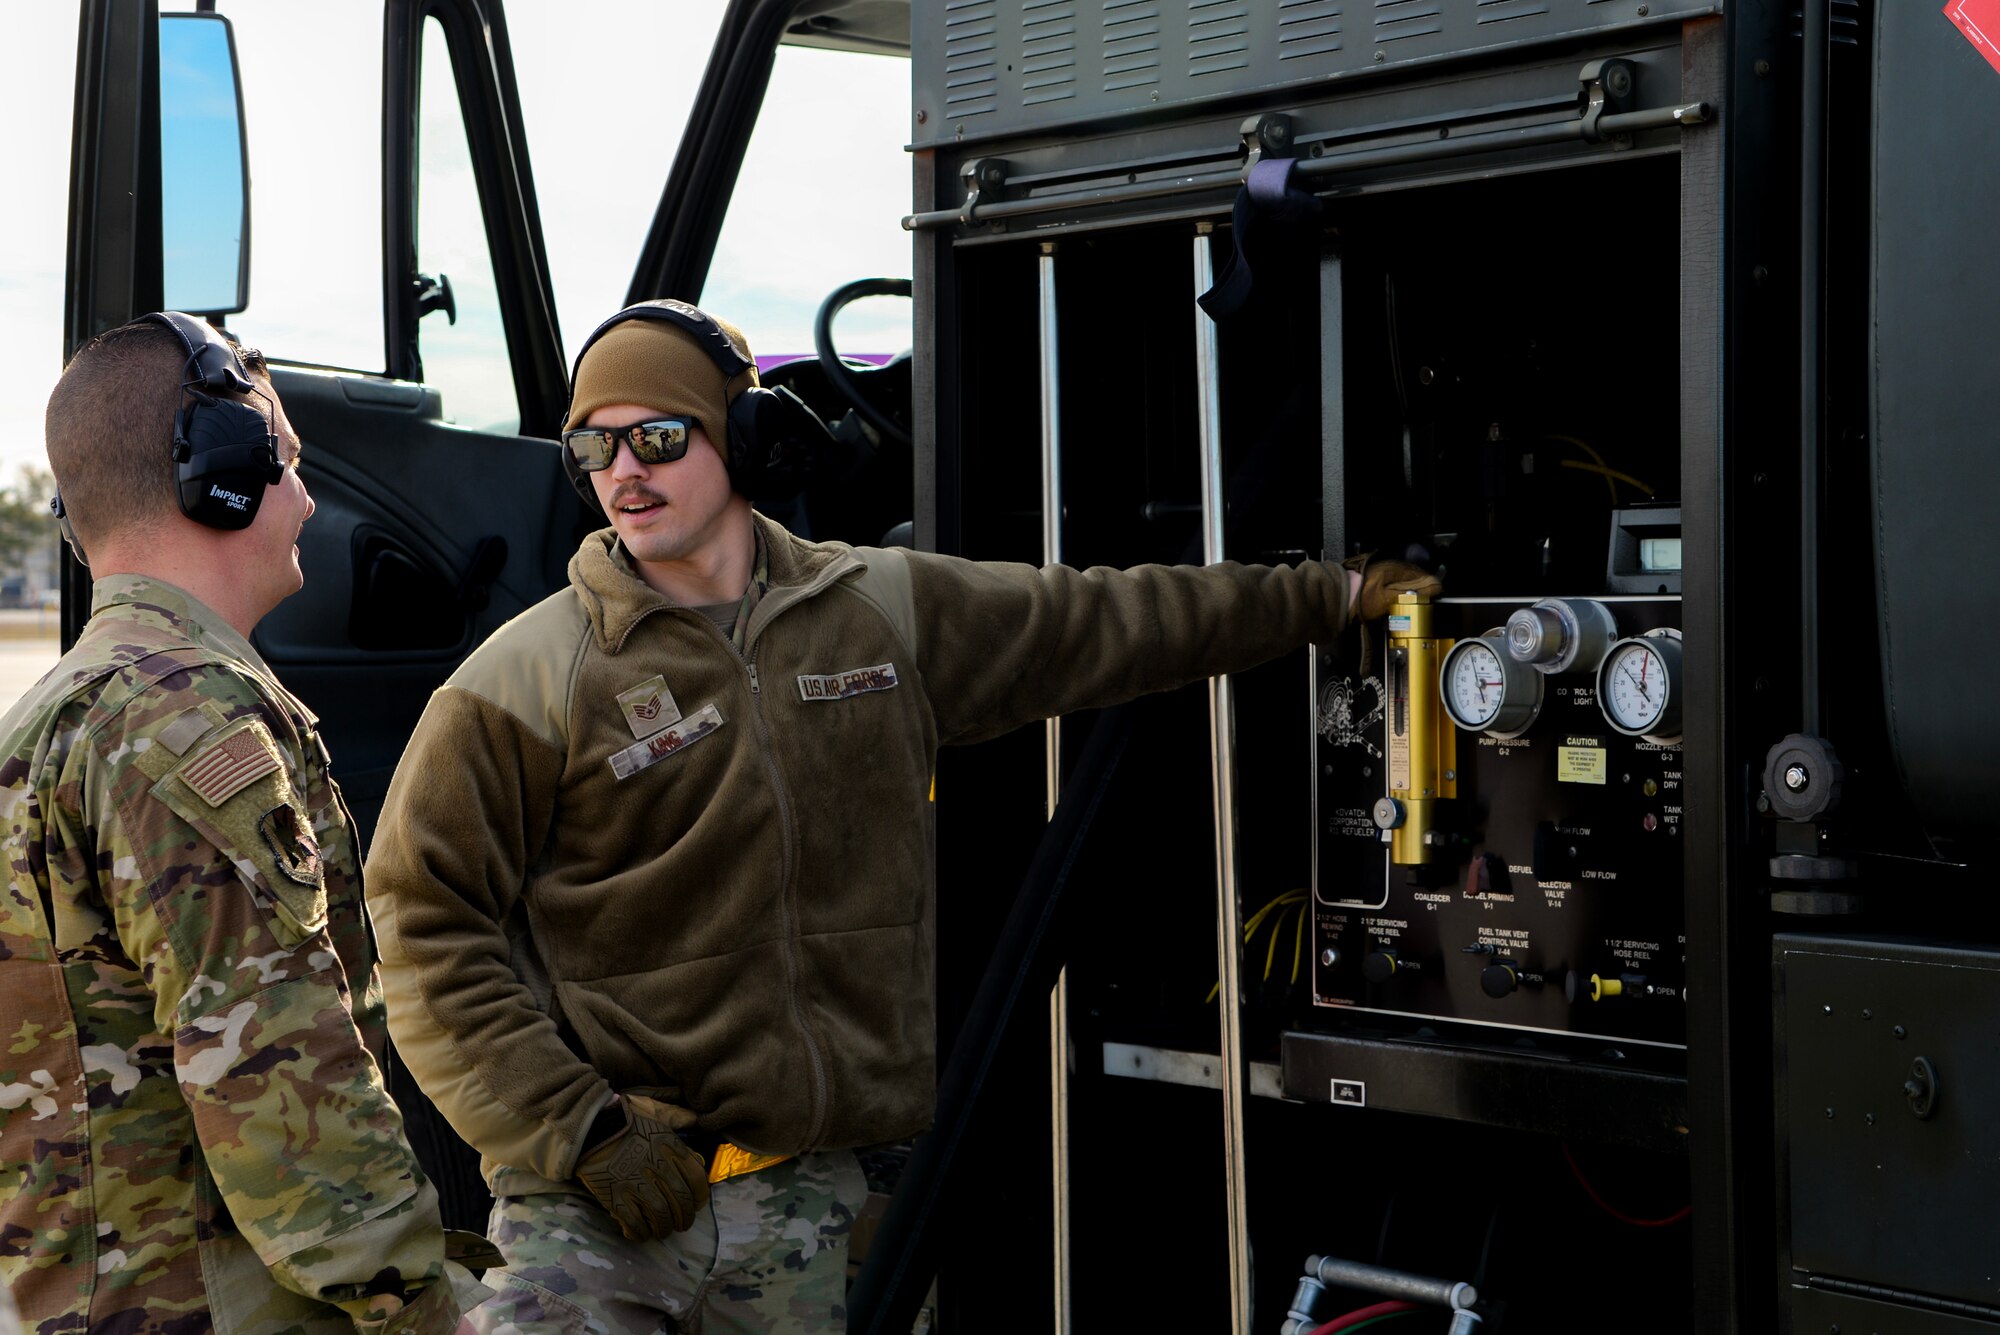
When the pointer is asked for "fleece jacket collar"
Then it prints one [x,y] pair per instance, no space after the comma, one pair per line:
[616,599]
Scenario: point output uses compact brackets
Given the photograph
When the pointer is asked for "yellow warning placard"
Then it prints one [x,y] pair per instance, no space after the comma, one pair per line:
[1580,764]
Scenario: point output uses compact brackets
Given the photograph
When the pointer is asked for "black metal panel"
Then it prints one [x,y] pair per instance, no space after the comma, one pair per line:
[1871,1174]
[1526,1093]
[1935,287]
[1816,1310]
[994,67]
[1726,380]
[1466,125]
[1579,871]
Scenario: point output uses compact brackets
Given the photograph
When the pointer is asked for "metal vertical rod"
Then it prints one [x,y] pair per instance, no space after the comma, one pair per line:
[1222,727]
[1052,554]
[1812,332]
[1332,502]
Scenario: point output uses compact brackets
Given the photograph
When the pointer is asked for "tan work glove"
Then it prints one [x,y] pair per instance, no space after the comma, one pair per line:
[647,1177]
[1382,582]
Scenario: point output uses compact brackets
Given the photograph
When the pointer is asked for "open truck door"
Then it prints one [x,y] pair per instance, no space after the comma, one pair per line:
[442,506]
[406,306]
[440,512]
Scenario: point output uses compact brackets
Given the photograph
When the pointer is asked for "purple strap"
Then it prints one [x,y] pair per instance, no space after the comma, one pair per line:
[1269,180]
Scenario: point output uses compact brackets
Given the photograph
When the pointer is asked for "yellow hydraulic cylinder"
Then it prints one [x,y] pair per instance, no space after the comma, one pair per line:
[1423,746]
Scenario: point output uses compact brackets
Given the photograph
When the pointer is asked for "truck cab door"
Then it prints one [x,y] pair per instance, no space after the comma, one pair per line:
[414,344]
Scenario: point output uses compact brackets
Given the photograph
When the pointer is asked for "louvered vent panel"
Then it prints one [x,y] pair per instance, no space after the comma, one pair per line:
[1308,28]
[1131,44]
[1400,20]
[970,55]
[1503,11]
[1218,36]
[1048,51]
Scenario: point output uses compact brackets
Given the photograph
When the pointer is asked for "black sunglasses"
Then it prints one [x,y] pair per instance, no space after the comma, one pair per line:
[661,442]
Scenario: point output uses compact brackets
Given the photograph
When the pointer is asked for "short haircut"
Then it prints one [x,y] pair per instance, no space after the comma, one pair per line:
[110,428]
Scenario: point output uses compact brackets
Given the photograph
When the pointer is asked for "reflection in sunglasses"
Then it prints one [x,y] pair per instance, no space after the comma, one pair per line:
[658,442]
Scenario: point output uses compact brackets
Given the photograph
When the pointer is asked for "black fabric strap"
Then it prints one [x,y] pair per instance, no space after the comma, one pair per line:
[1268,200]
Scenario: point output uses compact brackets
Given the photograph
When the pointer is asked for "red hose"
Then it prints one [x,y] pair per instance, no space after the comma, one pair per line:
[1355,1318]
[1615,1212]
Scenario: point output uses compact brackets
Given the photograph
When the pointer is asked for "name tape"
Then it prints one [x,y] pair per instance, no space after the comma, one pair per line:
[674,740]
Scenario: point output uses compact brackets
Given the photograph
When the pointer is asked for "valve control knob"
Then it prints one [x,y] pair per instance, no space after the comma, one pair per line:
[1499,978]
[1624,985]
[1379,966]
[1487,874]
[1388,813]
[1603,987]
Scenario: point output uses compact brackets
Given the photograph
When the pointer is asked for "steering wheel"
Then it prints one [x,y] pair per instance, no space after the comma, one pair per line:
[837,371]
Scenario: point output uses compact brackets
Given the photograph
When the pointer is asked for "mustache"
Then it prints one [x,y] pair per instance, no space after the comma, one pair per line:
[633,493]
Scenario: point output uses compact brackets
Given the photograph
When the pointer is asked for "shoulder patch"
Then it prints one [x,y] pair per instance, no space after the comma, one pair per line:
[289,835]
[223,769]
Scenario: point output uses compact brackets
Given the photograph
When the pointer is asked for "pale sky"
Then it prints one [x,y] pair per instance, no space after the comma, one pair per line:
[605,87]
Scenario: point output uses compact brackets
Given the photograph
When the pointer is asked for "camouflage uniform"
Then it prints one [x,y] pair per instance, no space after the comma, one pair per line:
[769,1254]
[196,1130]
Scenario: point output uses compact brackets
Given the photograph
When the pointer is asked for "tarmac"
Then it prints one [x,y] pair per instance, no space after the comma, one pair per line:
[29,647]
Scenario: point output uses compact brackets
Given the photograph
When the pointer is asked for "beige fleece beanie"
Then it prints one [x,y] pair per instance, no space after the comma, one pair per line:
[657,364]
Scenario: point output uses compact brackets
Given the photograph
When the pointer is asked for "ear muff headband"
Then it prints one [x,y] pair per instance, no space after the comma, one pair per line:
[225,453]
[772,434]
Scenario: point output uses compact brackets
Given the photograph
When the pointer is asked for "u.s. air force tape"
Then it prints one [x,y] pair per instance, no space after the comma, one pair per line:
[841,685]
[660,745]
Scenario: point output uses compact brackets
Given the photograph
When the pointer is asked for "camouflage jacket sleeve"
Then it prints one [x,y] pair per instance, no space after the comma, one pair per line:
[212,869]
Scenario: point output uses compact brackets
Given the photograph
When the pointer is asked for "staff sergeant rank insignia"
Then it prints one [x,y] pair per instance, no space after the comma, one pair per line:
[649,707]
[840,685]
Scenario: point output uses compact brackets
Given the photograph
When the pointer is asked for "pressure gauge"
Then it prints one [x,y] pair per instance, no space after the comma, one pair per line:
[1639,686]
[1486,690]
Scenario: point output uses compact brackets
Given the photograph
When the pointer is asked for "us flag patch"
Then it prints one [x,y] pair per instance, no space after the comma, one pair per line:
[840,685]
[224,769]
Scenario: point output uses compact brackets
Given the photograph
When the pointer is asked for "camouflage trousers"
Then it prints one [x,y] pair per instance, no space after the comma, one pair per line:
[768,1254]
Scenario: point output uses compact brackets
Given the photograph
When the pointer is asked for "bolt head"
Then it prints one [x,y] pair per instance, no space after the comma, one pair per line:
[922,115]
[1796,778]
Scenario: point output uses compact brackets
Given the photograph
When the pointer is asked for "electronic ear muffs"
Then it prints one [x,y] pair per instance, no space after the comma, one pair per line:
[67,529]
[774,438]
[225,451]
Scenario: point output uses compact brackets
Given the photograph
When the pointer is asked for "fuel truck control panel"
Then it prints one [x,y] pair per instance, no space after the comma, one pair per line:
[1497,819]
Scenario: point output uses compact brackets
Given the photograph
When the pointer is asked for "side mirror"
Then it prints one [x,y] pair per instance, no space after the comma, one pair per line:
[204,168]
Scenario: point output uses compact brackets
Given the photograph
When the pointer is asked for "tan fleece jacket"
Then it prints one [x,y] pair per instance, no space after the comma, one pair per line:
[576,895]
